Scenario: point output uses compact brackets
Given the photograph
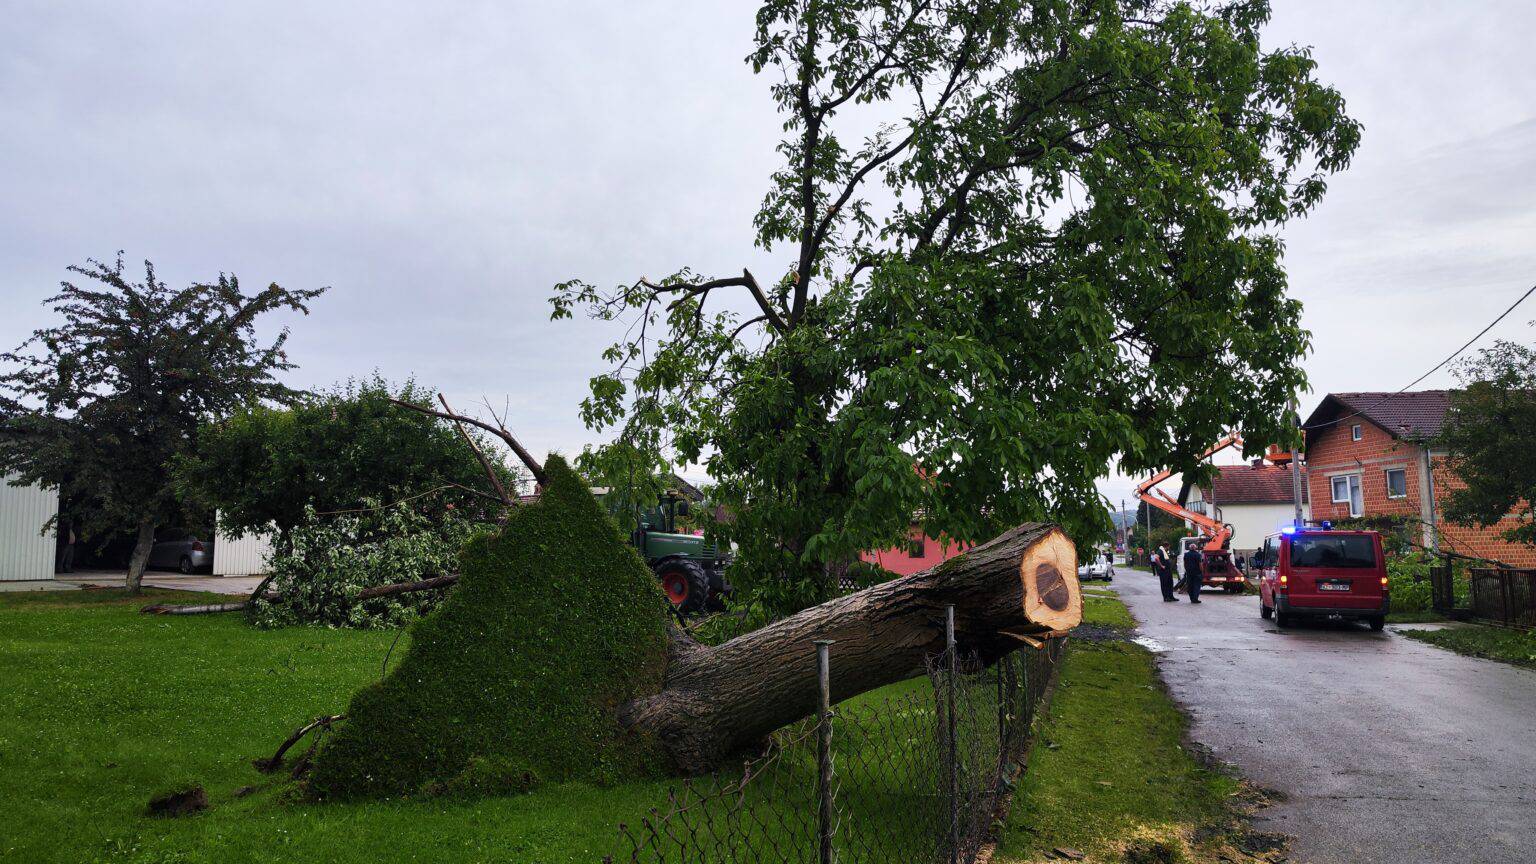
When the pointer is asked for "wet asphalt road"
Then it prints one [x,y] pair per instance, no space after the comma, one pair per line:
[1386,749]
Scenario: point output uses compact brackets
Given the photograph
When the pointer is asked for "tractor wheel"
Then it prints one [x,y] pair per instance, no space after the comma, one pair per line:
[685,583]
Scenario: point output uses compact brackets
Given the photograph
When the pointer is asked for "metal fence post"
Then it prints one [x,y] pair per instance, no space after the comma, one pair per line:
[824,748]
[951,750]
[1002,712]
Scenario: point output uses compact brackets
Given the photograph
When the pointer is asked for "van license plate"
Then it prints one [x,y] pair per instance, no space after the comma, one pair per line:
[1333,585]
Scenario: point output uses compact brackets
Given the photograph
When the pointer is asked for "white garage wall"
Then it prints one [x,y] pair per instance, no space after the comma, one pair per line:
[1251,523]
[24,552]
[242,556]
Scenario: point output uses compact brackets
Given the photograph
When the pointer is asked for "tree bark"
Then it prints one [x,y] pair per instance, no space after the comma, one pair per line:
[717,701]
[140,557]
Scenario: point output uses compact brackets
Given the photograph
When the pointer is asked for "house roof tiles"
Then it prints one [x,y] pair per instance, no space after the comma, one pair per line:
[1252,484]
[1415,415]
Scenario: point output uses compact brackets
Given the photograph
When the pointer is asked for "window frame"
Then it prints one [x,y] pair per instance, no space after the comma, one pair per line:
[1387,478]
[1357,432]
[1333,488]
[1353,482]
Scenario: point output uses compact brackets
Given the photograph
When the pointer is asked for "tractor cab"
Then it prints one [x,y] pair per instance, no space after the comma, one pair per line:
[691,571]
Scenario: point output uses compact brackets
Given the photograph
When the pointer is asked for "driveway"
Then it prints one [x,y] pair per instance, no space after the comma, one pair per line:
[1386,749]
[235,585]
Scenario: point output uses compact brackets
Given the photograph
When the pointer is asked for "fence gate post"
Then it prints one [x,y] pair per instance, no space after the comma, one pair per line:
[951,750]
[824,749]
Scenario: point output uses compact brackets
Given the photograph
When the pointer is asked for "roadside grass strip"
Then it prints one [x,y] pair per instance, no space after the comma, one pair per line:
[1516,647]
[1111,777]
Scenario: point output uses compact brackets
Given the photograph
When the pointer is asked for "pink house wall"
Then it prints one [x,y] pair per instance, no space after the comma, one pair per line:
[902,563]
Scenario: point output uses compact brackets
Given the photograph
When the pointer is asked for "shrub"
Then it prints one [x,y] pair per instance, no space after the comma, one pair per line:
[325,560]
[1408,578]
[555,623]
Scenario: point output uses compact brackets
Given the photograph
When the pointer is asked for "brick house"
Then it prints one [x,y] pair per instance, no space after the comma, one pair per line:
[1372,454]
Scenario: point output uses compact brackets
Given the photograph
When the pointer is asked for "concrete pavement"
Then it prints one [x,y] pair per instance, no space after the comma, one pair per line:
[242,585]
[1385,749]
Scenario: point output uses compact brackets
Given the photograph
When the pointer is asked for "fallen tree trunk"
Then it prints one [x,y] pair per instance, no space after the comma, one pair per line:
[717,701]
[199,609]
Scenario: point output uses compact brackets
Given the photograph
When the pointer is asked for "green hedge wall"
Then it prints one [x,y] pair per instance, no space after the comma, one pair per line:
[514,680]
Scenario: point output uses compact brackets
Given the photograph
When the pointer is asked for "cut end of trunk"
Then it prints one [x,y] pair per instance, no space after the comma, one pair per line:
[1052,598]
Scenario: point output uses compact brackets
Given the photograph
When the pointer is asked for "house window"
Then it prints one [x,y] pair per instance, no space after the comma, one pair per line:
[917,547]
[1397,483]
[1346,490]
[1355,432]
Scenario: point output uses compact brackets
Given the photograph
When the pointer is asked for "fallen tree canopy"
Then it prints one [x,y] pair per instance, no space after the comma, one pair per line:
[555,621]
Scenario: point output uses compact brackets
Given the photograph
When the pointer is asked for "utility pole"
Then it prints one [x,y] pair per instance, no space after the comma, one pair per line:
[1296,460]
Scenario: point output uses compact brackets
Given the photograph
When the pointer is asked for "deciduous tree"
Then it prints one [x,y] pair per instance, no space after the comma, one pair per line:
[1491,437]
[265,466]
[103,404]
[1015,241]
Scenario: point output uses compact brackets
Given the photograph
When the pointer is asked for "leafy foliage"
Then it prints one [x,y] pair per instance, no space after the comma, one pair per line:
[103,404]
[322,562]
[1408,580]
[555,622]
[1491,436]
[265,467]
[1062,253]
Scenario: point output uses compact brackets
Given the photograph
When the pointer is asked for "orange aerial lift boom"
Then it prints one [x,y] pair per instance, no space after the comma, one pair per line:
[1218,569]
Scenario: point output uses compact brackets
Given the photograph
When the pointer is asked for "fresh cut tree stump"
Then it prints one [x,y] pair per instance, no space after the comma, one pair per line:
[717,701]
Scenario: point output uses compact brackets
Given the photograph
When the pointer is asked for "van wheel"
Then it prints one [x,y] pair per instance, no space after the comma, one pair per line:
[1265,612]
[1282,619]
[1377,622]
[186,565]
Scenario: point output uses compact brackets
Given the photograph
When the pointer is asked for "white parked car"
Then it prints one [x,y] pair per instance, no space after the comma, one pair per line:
[1101,567]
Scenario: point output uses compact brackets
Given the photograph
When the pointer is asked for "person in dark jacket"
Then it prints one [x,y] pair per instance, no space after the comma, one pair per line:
[1193,573]
[1162,565]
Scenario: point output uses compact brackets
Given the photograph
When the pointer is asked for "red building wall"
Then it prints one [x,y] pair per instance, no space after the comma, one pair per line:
[902,562]
[1331,451]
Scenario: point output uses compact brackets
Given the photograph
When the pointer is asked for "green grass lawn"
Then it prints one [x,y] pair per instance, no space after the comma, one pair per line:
[1494,643]
[1109,773]
[105,707]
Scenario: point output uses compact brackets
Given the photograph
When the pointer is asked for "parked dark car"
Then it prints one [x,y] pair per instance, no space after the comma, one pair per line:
[181,550]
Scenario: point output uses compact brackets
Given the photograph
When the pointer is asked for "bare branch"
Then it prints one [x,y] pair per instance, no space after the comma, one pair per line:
[533,467]
[485,462]
[745,280]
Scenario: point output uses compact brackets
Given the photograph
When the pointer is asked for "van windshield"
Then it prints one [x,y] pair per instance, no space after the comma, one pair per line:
[1351,550]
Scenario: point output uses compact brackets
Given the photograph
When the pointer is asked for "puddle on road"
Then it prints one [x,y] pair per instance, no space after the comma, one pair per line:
[1150,644]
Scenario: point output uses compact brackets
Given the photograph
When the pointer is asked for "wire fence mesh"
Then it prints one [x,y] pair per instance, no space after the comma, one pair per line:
[916,775]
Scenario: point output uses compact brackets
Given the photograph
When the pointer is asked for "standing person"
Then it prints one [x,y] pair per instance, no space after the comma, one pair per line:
[1193,573]
[1162,565]
[67,553]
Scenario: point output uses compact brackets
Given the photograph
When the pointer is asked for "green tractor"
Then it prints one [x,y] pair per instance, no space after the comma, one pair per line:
[691,571]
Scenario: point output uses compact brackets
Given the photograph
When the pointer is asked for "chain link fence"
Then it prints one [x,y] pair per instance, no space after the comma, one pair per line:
[914,776]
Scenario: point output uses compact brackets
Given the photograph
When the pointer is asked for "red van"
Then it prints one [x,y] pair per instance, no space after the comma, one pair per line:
[1321,573]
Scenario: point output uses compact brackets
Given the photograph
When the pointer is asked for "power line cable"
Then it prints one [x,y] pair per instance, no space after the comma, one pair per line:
[1438,366]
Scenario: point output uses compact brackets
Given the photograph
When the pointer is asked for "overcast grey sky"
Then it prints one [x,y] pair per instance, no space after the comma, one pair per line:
[441,166]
